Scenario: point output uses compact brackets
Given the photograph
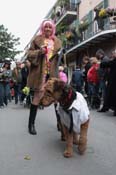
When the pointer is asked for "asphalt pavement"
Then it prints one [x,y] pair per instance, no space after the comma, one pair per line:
[42,154]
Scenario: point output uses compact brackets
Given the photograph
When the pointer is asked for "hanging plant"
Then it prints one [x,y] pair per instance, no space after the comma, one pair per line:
[61,28]
[83,25]
[69,35]
[53,15]
[103,13]
[62,37]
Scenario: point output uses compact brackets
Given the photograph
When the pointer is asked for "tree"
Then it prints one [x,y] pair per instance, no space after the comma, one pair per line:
[8,44]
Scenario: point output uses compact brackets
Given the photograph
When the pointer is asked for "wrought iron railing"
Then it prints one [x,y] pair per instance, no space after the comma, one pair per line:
[91,31]
[69,7]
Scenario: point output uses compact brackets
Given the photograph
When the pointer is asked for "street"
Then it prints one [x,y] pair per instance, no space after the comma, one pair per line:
[42,154]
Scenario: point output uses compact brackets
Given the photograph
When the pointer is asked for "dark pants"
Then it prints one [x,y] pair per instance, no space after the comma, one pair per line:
[17,89]
[4,93]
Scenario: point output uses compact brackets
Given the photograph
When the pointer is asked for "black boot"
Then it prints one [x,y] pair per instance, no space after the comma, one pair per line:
[114,114]
[32,129]
[32,116]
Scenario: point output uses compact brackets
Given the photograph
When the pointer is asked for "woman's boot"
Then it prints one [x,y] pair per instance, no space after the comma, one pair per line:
[32,116]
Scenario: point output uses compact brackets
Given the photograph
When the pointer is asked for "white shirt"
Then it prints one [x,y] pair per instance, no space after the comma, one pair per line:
[80,113]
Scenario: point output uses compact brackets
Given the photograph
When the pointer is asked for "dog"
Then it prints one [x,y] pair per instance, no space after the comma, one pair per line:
[73,112]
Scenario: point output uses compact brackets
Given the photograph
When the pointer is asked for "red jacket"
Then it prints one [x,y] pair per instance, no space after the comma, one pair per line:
[92,75]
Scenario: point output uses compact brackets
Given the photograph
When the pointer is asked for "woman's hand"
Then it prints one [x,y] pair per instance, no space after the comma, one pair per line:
[44,50]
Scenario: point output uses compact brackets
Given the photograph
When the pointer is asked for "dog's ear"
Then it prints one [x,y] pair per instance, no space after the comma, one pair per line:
[58,85]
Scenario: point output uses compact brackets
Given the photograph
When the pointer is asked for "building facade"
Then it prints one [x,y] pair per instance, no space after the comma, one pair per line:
[84,26]
[85,29]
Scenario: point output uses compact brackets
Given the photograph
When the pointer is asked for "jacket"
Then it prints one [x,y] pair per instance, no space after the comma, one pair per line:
[37,60]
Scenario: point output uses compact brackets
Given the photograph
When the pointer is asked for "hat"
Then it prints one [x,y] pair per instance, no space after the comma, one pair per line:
[114,50]
[100,51]
[18,62]
[93,60]
[7,62]
[61,68]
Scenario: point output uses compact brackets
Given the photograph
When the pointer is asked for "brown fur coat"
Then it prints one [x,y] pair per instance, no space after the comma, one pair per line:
[37,61]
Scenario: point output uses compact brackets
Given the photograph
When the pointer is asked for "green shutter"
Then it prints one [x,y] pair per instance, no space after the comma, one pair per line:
[89,17]
[106,3]
[76,22]
[78,1]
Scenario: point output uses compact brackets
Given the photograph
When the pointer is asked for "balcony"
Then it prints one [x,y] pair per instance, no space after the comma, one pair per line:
[66,14]
[92,35]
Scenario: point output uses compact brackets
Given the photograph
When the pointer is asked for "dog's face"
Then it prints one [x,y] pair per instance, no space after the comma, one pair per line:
[53,91]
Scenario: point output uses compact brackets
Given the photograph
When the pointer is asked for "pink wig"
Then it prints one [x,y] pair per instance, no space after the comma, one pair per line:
[47,21]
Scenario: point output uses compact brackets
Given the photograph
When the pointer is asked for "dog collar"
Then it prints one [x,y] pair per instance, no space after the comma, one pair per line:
[67,98]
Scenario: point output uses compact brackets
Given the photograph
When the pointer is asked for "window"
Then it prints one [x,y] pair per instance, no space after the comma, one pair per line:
[75,1]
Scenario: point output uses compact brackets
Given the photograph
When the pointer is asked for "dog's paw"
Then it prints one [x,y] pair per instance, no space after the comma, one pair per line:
[82,145]
[75,142]
[82,148]
[58,127]
[68,154]
[63,138]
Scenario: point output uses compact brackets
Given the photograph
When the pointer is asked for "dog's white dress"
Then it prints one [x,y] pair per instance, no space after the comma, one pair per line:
[80,113]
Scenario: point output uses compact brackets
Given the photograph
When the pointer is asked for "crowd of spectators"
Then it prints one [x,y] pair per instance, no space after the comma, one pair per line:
[96,80]
[12,81]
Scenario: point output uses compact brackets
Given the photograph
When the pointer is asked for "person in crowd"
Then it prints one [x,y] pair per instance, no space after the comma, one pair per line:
[43,57]
[1,86]
[24,74]
[103,75]
[111,83]
[93,83]
[62,75]
[17,78]
[5,76]
[12,89]
[99,20]
[86,66]
[77,79]
[1,89]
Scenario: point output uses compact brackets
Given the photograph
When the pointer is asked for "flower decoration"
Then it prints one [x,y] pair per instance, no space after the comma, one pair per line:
[69,35]
[103,13]
[111,11]
[26,90]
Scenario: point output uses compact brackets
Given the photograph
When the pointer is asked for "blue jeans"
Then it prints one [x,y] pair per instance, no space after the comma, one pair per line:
[4,93]
[93,90]
[102,88]
[1,94]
